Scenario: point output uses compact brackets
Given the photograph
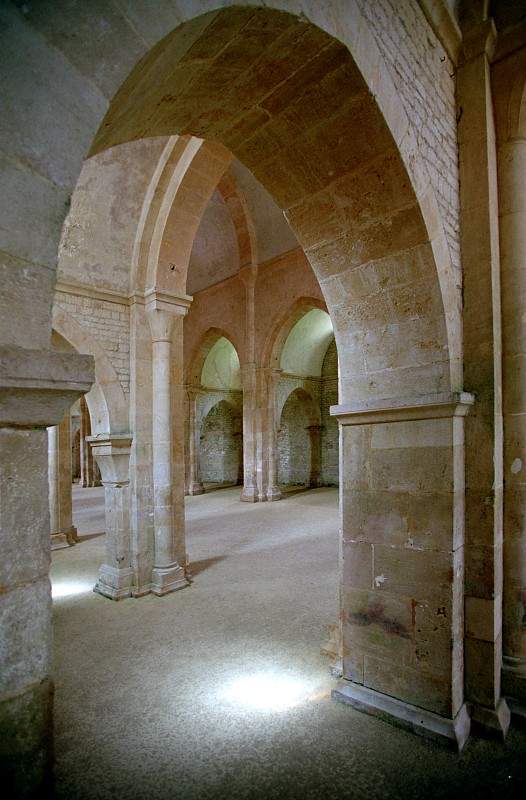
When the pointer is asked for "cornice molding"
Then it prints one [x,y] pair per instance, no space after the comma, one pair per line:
[431,406]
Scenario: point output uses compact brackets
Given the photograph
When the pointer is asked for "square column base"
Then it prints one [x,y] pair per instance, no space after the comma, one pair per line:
[195,488]
[514,679]
[249,494]
[518,712]
[168,579]
[63,539]
[452,732]
[493,722]
[114,583]
[273,493]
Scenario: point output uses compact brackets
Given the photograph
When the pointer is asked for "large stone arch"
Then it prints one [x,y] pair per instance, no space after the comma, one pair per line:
[106,400]
[60,104]
[253,123]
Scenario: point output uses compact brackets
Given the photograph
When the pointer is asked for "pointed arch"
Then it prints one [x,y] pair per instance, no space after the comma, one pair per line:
[106,400]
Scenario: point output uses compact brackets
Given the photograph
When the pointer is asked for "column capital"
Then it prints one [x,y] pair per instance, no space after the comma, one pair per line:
[162,309]
[112,452]
[38,386]
[479,40]
[162,300]
[248,275]
[402,409]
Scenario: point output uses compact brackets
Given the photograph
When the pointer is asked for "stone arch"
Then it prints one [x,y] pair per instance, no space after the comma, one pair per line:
[106,400]
[315,177]
[517,108]
[283,325]
[306,397]
[197,360]
[241,217]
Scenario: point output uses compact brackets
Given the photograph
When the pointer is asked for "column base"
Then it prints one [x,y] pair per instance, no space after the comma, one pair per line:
[273,493]
[63,539]
[168,579]
[518,712]
[195,488]
[453,732]
[514,679]
[492,722]
[249,494]
[117,584]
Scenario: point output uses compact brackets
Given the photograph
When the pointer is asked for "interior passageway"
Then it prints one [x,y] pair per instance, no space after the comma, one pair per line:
[220,690]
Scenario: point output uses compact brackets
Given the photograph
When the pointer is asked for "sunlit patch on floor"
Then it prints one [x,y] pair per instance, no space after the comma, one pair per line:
[269,691]
[69,588]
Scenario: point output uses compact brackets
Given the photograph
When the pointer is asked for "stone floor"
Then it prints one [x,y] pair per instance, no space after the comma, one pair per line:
[219,690]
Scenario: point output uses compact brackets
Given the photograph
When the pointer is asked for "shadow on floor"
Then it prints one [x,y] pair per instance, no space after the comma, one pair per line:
[84,537]
[195,567]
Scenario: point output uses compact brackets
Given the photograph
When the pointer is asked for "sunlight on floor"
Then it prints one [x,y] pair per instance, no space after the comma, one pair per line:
[268,691]
[69,588]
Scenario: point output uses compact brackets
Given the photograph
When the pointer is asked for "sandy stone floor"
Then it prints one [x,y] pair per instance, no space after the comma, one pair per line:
[219,690]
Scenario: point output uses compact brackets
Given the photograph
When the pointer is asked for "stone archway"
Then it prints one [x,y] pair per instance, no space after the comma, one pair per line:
[408,358]
[375,242]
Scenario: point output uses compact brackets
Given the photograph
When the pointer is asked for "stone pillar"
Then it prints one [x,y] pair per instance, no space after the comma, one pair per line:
[28,405]
[60,474]
[482,376]
[87,466]
[168,573]
[116,576]
[315,456]
[250,481]
[512,206]
[272,490]
[194,484]
[402,502]
[249,494]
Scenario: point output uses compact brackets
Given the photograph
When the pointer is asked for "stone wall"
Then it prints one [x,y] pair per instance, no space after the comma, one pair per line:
[294,450]
[107,322]
[425,78]
[221,454]
[329,431]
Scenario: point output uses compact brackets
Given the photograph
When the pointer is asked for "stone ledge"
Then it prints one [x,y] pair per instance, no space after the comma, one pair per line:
[38,386]
[453,732]
[403,409]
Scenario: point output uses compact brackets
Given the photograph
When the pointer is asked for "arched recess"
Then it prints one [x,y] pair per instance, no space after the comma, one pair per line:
[370,228]
[106,400]
[194,369]
[298,440]
[281,327]
[221,450]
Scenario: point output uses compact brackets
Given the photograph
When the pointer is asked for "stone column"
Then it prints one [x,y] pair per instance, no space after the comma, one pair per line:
[512,206]
[314,432]
[87,466]
[272,490]
[28,405]
[248,276]
[482,376]
[168,573]
[116,576]
[402,502]
[194,485]
[60,474]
